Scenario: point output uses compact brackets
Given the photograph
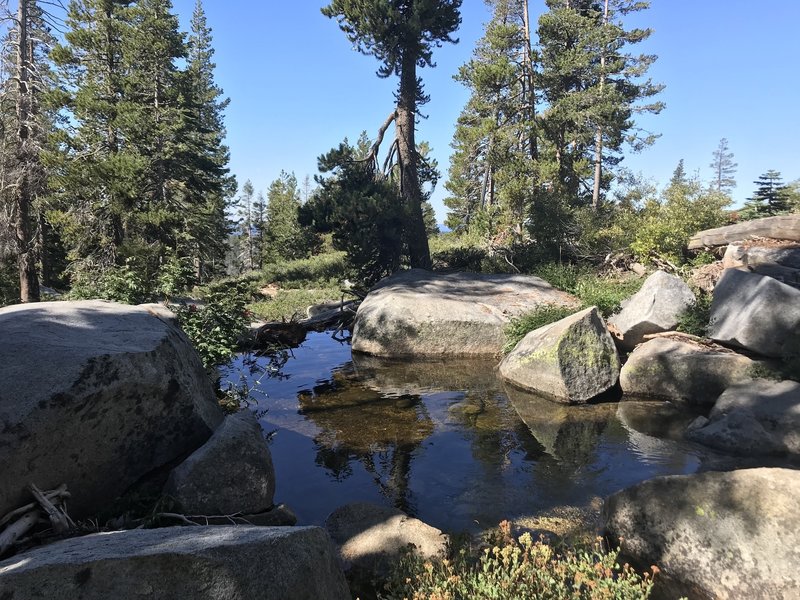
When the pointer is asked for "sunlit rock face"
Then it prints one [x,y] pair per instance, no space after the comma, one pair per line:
[421,313]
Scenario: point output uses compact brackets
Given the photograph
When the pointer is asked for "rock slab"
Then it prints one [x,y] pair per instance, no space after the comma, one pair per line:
[418,312]
[655,308]
[95,395]
[722,534]
[757,313]
[204,563]
[231,473]
[368,535]
[758,418]
[571,361]
[683,371]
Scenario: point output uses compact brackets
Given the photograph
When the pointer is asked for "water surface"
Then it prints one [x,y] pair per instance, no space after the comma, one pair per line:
[447,441]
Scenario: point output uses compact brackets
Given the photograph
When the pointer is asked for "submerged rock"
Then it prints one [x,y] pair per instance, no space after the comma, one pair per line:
[95,395]
[369,536]
[684,371]
[653,309]
[204,563]
[231,473]
[418,312]
[572,360]
[722,535]
[756,312]
[757,418]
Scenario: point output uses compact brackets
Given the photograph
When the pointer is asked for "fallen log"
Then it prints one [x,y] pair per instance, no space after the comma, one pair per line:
[783,227]
[16,530]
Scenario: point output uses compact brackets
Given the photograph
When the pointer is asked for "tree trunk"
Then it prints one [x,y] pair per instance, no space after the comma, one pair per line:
[26,252]
[410,192]
[531,91]
[598,144]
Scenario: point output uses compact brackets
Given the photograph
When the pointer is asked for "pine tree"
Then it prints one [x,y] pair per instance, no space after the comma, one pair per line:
[246,239]
[724,168]
[25,128]
[284,237]
[495,138]
[100,174]
[258,215]
[592,90]
[209,185]
[772,197]
[401,34]
[678,175]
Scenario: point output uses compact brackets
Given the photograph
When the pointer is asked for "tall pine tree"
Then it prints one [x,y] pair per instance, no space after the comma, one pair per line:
[401,34]
[724,168]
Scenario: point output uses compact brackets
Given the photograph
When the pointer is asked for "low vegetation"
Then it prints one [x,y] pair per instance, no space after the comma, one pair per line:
[519,568]
[592,289]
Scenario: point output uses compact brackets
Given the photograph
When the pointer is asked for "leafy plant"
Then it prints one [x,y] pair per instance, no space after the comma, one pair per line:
[696,318]
[519,569]
[125,283]
[216,328]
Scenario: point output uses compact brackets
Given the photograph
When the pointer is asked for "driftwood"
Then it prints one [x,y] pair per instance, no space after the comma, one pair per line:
[293,333]
[688,337]
[21,520]
[785,227]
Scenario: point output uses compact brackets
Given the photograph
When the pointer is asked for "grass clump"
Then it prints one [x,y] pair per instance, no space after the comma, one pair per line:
[606,293]
[520,568]
[544,315]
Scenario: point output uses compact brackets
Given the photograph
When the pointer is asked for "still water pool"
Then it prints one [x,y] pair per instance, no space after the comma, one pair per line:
[448,442]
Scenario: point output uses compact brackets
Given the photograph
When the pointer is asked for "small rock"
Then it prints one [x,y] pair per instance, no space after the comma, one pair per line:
[756,312]
[572,360]
[757,418]
[653,309]
[723,535]
[699,422]
[232,473]
[369,536]
[683,371]
[202,563]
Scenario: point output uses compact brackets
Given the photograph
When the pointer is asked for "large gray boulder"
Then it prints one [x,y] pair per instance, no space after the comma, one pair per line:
[761,417]
[756,312]
[418,312]
[655,308]
[203,563]
[231,473]
[723,535]
[369,536]
[572,360]
[95,395]
[784,227]
[683,371]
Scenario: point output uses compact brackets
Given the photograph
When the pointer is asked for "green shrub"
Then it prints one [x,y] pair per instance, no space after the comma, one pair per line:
[519,569]
[216,329]
[127,283]
[319,270]
[606,293]
[695,319]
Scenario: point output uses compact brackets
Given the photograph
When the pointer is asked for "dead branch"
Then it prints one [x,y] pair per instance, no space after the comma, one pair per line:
[52,495]
[58,518]
[16,530]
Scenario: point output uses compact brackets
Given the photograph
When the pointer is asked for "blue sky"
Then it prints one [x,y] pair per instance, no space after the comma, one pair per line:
[297,87]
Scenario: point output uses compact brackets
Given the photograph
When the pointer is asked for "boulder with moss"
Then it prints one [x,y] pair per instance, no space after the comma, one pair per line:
[718,534]
[572,360]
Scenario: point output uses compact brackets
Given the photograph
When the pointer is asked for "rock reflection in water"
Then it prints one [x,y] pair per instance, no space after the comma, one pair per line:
[446,442]
[568,433]
[358,423]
